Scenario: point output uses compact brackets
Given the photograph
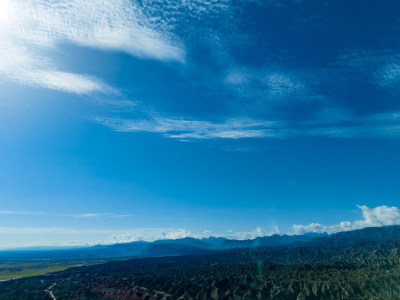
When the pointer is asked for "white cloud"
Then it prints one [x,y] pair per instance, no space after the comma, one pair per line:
[10,212]
[380,68]
[87,215]
[192,129]
[148,234]
[13,237]
[389,76]
[31,30]
[41,230]
[83,216]
[264,83]
[372,217]
[339,123]
[30,67]
[378,125]
[258,232]
[118,25]
[255,233]
[122,216]
[207,233]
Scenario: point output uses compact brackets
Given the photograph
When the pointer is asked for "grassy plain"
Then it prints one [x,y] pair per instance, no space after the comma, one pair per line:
[11,269]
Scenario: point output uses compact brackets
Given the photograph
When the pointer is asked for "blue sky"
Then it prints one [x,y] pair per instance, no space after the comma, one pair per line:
[125,120]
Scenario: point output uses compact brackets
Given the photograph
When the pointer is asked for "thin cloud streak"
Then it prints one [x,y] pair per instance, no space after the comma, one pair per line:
[342,125]
[384,125]
[193,129]
[122,216]
[81,216]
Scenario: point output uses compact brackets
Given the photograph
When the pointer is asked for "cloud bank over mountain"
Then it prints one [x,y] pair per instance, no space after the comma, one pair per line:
[372,217]
[71,236]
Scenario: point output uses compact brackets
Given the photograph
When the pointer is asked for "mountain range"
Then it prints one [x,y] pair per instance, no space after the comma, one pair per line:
[193,246]
[359,264]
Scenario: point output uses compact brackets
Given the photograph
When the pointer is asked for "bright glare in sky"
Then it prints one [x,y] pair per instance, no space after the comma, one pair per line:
[6,11]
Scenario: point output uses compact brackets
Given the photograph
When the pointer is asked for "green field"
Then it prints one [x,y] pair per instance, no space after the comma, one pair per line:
[18,269]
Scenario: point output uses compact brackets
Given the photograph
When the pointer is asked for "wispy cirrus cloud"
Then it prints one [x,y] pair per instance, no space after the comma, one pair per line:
[265,84]
[381,125]
[389,75]
[372,217]
[81,216]
[340,124]
[119,25]
[30,31]
[56,80]
[379,68]
[193,129]
[122,216]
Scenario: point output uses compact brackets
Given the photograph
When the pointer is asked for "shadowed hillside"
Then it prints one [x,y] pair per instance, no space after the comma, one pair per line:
[365,270]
